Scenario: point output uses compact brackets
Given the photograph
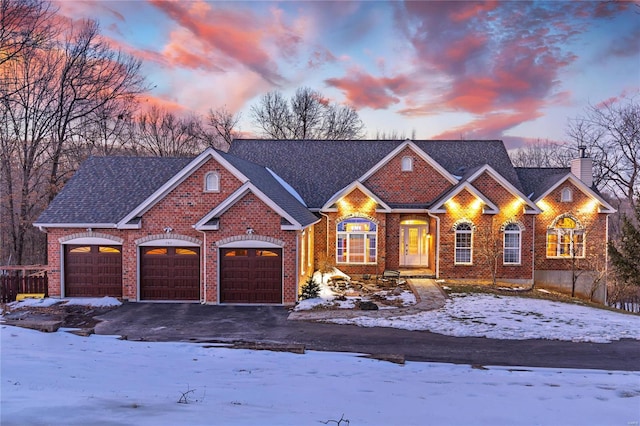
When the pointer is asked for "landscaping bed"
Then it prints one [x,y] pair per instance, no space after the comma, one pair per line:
[71,314]
[339,291]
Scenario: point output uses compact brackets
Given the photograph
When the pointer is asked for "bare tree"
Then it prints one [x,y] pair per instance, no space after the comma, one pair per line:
[611,133]
[49,91]
[394,135]
[541,154]
[307,115]
[24,24]
[224,125]
[161,133]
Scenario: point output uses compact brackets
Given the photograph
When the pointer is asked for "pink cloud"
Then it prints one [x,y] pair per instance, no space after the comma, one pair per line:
[364,90]
[235,34]
[500,61]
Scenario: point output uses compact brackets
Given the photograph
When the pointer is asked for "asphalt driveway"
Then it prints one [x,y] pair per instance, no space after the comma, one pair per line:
[269,324]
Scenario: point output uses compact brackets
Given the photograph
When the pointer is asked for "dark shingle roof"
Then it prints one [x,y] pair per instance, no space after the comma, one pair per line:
[268,184]
[106,189]
[536,181]
[318,169]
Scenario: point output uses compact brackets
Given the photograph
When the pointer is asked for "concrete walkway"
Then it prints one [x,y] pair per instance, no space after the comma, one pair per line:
[429,296]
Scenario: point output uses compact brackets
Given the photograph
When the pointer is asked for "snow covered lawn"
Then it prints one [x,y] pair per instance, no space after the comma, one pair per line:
[64,379]
[510,317]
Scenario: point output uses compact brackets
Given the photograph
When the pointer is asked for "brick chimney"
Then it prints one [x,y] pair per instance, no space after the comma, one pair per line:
[582,167]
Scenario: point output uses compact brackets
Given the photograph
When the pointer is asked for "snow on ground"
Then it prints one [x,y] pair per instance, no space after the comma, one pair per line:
[509,317]
[96,302]
[64,379]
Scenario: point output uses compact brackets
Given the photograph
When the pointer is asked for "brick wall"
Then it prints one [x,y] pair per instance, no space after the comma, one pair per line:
[488,238]
[180,209]
[355,203]
[584,209]
[421,185]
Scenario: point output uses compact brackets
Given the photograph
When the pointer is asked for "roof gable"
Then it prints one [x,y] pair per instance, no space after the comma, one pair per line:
[211,219]
[423,155]
[328,206]
[438,206]
[176,180]
[605,207]
[506,185]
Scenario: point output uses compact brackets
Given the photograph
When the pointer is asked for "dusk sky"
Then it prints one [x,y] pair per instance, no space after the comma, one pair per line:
[511,70]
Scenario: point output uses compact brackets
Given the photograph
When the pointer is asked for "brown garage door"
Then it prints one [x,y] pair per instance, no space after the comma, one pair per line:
[250,275]
[92,271]
[170,273]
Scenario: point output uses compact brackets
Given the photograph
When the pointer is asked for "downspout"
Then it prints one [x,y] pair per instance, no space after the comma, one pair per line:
[606,261]
[298,258]
[204,267]
[437,255]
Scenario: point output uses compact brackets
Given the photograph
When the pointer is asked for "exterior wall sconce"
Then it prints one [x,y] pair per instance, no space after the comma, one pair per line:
[250,231]
[168,229]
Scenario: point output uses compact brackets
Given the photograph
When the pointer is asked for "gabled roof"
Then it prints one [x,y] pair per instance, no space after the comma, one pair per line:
[437,206]
[177,179]
[106,189]
[420,153]
[605,206]
[116,191]
[318,169]
[265,182]
[328,206]
[477,172]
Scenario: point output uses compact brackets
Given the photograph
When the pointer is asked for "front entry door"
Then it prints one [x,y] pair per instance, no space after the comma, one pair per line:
[414,247]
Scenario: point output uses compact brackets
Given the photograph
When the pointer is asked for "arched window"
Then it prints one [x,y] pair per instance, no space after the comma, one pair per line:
[356,241]
[212,182]
[407,164]
[511,244]
[566,195]
[565,238]
[464,244]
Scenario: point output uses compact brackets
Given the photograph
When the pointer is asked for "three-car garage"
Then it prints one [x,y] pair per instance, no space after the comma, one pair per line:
[167,273]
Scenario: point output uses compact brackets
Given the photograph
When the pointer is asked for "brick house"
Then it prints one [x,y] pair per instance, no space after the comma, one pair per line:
[249,226]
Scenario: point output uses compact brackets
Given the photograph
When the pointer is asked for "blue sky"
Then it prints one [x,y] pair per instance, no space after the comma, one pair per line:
[515,70]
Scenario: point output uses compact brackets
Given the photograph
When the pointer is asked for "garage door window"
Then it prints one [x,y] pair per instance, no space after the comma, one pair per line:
[267,253]
[237,252]
[186,252]
[156,251]
[80,250]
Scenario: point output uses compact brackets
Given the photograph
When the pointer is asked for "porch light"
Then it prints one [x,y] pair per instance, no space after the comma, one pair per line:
[250,231]
[589,207]
[168,229]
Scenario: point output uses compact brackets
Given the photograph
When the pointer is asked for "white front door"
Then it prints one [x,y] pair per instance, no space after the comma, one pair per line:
[414,245]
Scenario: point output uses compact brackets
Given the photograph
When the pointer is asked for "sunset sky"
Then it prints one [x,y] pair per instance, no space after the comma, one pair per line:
[508,70]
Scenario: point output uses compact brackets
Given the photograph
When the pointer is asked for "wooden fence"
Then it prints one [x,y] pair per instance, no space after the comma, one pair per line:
[11,286]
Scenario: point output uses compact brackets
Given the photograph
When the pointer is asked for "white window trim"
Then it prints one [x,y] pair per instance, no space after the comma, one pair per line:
[470,248]
[407,164]
[348,235]
[559,232]
[206,182]
[517,231]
